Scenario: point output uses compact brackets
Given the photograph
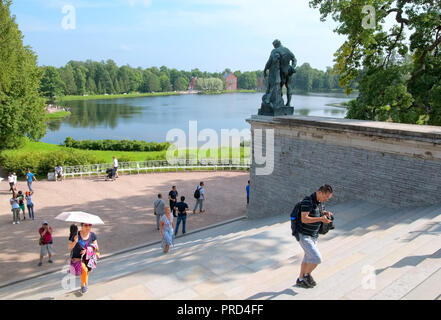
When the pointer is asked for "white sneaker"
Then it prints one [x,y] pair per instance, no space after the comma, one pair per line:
[18,222]
[13,222]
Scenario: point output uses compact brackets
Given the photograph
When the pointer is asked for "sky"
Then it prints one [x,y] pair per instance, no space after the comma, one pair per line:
[211,35]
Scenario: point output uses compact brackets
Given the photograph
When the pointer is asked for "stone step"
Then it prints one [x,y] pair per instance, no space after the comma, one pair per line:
[429,289]
[257,277]
[425,264]
[375,251]
[358,273]
[294,271]
[363,240]
[249,234]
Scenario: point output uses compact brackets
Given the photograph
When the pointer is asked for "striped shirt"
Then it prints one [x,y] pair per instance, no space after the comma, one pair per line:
[311,205]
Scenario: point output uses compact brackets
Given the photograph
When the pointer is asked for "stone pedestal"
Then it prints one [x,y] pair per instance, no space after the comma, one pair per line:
[267,110]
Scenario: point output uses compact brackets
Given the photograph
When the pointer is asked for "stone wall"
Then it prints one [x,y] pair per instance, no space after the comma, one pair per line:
[395,164]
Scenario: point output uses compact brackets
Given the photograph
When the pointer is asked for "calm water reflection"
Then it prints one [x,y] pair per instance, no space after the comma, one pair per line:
[150,118]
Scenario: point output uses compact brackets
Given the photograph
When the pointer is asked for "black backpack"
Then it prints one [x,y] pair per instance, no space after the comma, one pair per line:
[197,193]
[295,220]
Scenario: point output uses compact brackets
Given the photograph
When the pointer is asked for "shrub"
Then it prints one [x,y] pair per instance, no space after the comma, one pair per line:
[116,145]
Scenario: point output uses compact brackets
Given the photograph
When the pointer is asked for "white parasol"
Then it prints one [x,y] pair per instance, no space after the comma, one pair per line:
[79,216]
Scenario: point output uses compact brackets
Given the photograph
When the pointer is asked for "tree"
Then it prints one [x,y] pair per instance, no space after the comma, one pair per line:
[247,80]
[91,86]
[66,74]
[51,84]
[401,67]
[209,84]
[22,109]
[303,77]
[80,76]
[104,79]
[165,83]
[150,82]
[180,84]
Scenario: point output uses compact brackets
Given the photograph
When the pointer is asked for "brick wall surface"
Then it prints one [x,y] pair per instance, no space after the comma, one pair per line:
[301,166]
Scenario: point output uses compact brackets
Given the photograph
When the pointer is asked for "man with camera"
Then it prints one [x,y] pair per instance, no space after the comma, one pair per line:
[312,218]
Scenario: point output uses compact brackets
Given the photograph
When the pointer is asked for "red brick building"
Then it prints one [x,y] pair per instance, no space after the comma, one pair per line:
[231,81]
[192,84]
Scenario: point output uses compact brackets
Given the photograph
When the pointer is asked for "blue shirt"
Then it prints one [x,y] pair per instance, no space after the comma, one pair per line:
[29,175]
[81,244]
[248,191]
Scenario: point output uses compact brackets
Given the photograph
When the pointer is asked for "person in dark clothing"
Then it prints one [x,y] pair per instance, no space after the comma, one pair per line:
[312,216]
[182,215]
[172,197]
[248,192]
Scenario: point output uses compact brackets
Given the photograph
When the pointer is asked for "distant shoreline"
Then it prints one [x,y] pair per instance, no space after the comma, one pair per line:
[140,95]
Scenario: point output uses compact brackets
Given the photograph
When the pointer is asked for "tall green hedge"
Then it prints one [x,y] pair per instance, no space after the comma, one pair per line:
[115,145]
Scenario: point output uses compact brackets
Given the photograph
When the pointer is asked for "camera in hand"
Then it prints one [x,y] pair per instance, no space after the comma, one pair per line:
[325,227]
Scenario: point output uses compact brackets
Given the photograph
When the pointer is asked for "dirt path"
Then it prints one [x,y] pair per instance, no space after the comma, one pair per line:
[125,205]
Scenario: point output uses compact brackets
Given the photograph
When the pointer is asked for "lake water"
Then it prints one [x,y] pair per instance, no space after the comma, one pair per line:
[150,118]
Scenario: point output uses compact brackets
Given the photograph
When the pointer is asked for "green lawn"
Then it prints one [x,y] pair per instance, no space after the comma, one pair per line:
[115,96]
[138,95]
[57,115]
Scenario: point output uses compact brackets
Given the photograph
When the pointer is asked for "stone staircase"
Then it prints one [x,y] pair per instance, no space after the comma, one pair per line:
[374,253]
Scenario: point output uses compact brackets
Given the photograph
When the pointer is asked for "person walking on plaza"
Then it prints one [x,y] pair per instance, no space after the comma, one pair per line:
[167,228]
[45,242]
[30,177]
[172,197]
[15,208]
[199,195]
[312,215]
[30,204]
[11,182]
[58,173]
[158,209]
[84,252]
[20,199]
[14,177]
[182,215]
[115,168]
[248,192]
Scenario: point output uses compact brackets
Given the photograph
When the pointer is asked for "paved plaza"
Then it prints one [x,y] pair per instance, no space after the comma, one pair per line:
[125,205]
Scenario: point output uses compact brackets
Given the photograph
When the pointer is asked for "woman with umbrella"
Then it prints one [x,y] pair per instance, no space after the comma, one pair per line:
[83,245]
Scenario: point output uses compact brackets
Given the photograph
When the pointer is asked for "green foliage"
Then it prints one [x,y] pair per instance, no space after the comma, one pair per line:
[22,109]
[247,80]
[116,145]
[42,162]
[51,84]
[57,115]
[42,158]
[165,83]
[209,84]
[399,70]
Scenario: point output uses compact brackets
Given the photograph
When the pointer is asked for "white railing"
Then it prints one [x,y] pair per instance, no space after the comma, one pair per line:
[150,166]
